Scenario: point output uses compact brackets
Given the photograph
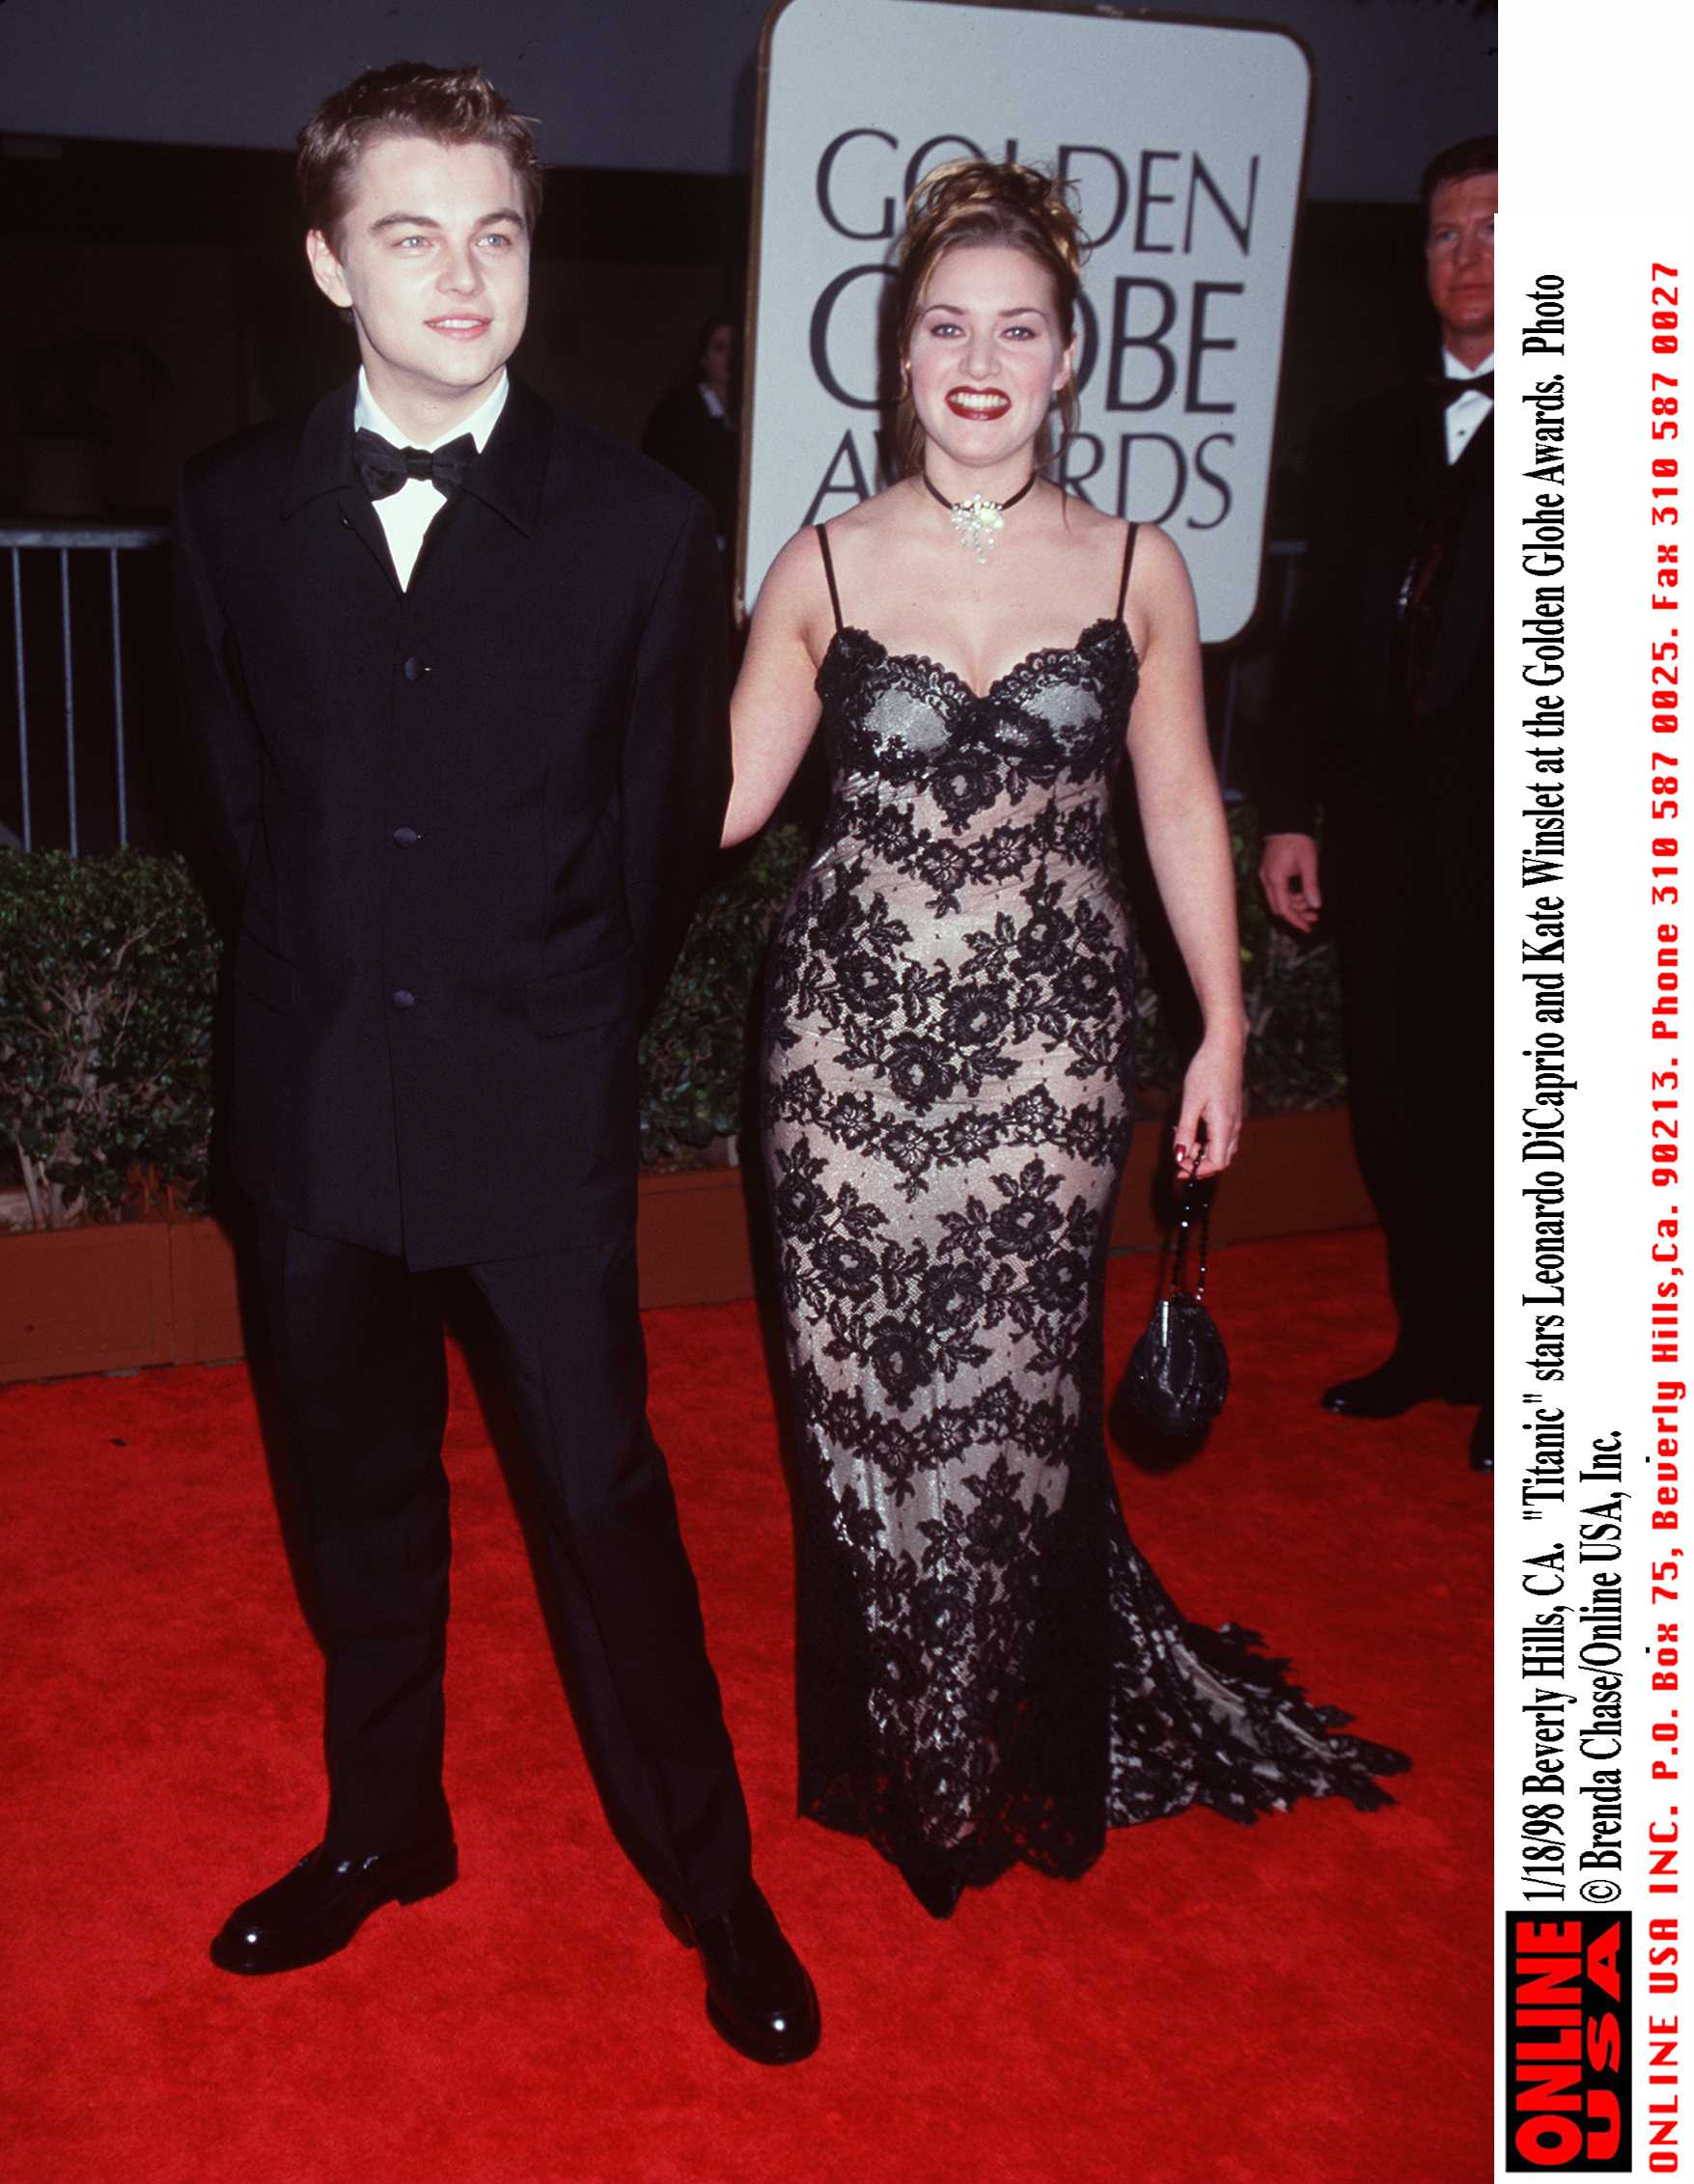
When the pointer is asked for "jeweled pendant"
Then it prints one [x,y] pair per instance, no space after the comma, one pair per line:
[978,523]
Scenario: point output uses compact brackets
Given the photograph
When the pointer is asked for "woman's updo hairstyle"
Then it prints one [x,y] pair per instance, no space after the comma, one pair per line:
[986,201]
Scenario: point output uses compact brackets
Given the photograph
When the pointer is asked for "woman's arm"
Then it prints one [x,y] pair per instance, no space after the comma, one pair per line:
[774,710]
[1188,845]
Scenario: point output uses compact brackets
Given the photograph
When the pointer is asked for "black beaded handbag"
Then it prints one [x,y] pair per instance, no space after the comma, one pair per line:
[1179,1373]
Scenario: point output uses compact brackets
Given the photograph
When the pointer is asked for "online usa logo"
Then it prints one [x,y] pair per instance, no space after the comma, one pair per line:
[1566,2050]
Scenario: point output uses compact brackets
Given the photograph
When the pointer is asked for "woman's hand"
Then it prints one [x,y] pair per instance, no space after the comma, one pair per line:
[1212,1093]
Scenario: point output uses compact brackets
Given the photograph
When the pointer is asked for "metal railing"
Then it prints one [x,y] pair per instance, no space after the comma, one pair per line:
[65,671]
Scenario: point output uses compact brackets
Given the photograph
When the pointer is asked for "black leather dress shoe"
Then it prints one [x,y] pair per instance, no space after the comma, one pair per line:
[758,1994]
[1395,1386]
[318,1907]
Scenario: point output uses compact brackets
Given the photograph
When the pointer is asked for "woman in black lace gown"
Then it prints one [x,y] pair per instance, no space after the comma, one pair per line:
[989,1671]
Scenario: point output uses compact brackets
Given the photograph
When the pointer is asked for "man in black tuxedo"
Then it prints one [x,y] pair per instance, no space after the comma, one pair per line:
[1384,718]
[452,667]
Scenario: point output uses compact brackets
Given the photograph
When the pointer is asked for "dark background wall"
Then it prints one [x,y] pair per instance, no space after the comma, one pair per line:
[661,85]
[149,243]
[169,303]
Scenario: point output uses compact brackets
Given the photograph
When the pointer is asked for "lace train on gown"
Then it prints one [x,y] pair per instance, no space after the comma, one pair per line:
[989,1671]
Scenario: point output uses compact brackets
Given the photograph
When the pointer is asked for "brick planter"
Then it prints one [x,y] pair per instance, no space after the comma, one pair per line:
[85,1300]
[164,1293]
[1293,1174]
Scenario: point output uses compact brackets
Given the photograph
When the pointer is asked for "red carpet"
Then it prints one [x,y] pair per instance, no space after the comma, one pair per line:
[1305,1999]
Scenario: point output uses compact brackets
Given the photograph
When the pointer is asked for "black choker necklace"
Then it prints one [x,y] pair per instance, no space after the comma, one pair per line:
[978,521]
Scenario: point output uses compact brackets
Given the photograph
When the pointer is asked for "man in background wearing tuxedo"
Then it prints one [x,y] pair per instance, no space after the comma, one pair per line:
[453,679]
[1383,720]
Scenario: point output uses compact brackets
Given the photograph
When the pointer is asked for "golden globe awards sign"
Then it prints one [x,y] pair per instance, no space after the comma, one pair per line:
[1185,141]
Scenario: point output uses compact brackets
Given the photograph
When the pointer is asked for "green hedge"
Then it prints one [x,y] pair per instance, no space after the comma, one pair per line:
[108,978]
[108,987]
[1289,986]
[109,993]
[694,1054]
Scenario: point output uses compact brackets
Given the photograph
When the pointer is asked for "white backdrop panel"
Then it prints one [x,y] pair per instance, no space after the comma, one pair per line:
[1185,141]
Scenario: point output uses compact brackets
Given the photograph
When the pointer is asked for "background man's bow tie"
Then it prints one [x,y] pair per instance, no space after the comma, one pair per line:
[1450,390]
[385,468]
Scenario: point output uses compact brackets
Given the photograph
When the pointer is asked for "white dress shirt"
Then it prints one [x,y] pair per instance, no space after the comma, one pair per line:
[405,515]
[1465,412]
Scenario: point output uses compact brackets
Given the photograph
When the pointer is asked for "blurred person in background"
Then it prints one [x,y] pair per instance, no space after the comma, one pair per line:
[695,429]
[1382,721]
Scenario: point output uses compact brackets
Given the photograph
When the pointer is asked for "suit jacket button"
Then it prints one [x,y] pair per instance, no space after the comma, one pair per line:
[402,999]
[413,669]
[405,835]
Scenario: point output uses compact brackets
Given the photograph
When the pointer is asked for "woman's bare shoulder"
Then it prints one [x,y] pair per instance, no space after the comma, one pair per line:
[1161,606]
[876,512]
[795,579]
[863,538]
[1089,525]
[1158,567]
[802,560]
[1097,540]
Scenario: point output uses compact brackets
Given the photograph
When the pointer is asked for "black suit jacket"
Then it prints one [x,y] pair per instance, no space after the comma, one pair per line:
[1343,729]
[465,822]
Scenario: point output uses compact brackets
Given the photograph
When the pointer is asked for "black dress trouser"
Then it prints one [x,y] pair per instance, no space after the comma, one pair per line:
[356,1345]
[1410,889]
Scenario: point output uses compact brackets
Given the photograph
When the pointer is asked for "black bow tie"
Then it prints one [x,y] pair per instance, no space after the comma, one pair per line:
[1450,390]
[385,468]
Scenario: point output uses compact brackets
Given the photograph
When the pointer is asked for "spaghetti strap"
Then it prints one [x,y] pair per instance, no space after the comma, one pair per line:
[1123,581]
[822,531]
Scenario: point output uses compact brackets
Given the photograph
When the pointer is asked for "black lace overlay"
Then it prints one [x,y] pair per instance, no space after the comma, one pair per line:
[989,1672]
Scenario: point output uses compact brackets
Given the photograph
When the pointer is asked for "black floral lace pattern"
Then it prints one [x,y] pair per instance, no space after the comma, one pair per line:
[989,1672]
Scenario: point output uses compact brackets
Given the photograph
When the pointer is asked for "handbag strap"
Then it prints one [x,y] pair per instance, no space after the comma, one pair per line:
[1193,1198]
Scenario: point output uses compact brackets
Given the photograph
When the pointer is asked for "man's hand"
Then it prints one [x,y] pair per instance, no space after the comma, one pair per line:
[1288,872]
